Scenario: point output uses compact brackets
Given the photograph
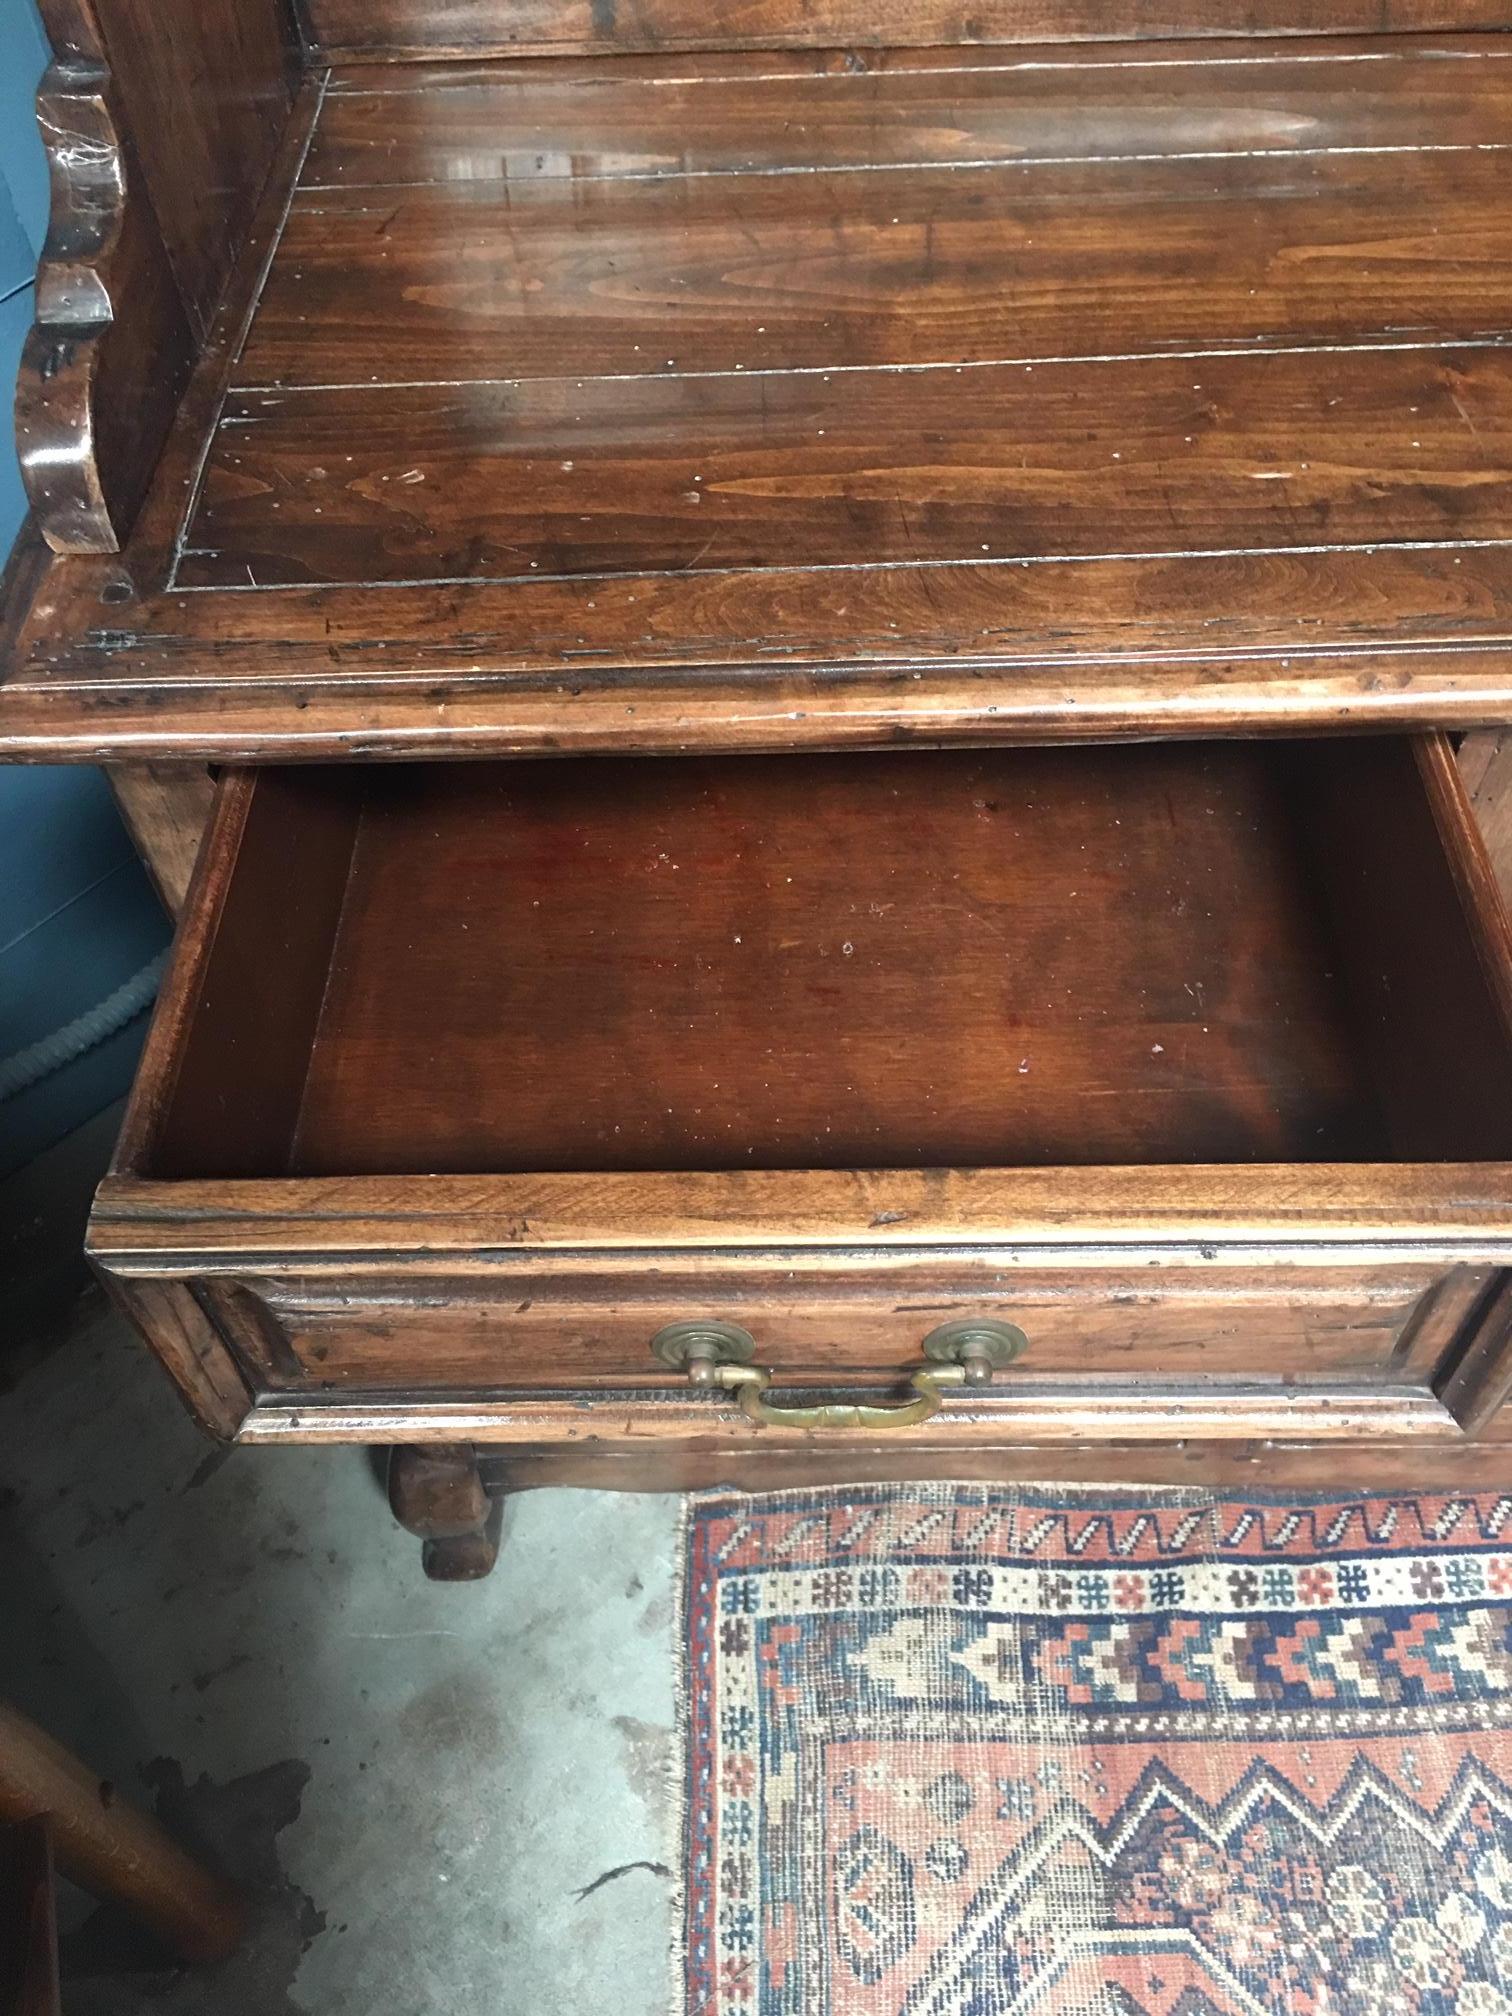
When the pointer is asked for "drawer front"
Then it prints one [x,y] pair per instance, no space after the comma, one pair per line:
[1387,1327]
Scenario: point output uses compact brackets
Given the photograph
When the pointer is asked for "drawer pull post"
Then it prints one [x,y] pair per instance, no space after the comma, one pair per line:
[978,1344]
[965,1352]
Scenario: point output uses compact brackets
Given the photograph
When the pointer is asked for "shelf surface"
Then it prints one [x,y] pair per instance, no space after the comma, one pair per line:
[765,400]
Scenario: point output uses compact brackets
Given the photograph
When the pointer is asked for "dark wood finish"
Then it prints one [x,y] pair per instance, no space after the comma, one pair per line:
[732,472]
[1479,1383]
[527,957]
[718,386]
[158,144]
[1421,930]
[1254,1464]
[28,1921]
[436,1492]
[110,1849]
[205,87]
[1025,263]
[165,807]
[240,1062]
[951,960]
[392,126]
[770,400]
[1147,1315]
[1486,766]
[111,347]
[468,27]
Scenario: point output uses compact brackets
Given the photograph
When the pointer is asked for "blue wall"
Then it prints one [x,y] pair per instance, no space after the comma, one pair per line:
[77,918]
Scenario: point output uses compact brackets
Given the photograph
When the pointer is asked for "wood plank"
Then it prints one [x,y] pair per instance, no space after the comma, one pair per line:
[590,1325]
[111,347]
[708,966]
[1176,1217]
[1017,651]
[972,1427]
[1246,1465]
[101,662]
[1146,456]
[1422,936]
[773,113]
[165,807]
[471,27]
[207,91]
[481,281]
[1486,766]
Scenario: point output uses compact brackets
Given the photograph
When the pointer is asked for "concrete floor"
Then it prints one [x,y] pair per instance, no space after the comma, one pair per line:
[447,1798]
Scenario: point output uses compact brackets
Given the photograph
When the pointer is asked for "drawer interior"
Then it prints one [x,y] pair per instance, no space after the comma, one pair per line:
[1190,952]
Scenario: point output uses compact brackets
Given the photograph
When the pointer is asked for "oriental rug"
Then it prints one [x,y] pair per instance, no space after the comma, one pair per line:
[967,1751]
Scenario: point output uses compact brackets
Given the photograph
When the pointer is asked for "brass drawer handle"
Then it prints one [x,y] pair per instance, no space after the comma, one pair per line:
[750,1383]
[963,1353]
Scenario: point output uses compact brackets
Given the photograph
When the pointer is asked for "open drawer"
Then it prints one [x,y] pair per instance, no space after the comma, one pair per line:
[1192,1062]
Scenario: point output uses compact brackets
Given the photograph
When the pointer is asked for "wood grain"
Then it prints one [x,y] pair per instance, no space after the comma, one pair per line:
[205,87]
[160,127]
[1326,1211]
[1227,644]
[389,125]
[471,26]
[1344,1416]
[1477,1381]
[165,808]
[1252,1464]
[711,966]
[1423,938]
[478,995]
[111,347]
[584,1324]
[1486,765]
[486,538]
[809,270]
[243,1002]
[884,468]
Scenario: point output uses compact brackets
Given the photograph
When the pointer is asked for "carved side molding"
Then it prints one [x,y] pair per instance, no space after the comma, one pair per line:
[108,356]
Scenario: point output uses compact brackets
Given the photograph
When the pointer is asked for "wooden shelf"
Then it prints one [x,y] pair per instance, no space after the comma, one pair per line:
[786,399]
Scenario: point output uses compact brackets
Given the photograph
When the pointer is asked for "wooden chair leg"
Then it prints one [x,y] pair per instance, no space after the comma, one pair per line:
[28,1921]
[437,1493]
[112,1850]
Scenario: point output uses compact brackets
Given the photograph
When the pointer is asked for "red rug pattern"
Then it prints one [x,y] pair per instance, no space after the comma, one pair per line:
[968,1751]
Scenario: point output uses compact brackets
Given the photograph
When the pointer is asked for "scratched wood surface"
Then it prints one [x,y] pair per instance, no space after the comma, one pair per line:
[779,400]
[604,27]
[711,965]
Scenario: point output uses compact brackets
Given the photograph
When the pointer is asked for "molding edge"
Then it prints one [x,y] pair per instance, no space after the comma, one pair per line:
[97,391]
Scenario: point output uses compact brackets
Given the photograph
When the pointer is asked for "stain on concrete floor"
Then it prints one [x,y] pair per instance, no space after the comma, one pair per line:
[111,1968]
[442,1798]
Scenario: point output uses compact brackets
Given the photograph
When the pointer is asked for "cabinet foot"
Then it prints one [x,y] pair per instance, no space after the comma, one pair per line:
[437,1493]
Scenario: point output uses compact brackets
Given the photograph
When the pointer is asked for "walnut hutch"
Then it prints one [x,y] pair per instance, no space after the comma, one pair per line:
[822,689]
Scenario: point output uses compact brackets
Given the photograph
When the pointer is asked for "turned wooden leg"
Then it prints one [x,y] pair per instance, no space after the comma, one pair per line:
[437,1493]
